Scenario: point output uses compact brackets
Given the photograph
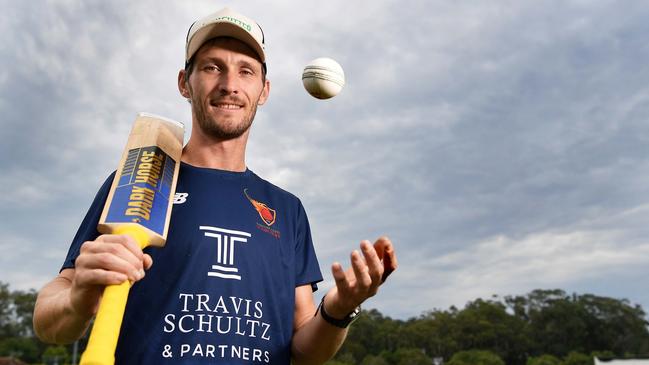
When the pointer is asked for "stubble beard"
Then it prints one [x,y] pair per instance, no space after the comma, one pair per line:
[225,130]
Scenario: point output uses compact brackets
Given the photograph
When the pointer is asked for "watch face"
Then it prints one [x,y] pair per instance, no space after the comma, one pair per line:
[355,313]
[342,323]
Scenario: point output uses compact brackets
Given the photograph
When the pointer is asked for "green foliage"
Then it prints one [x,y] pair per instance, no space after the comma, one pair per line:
[538,328]
[576,358]
[603,354]
[17,338]
[16,311]
[475,357]
[487,325]
[16,334]
[374,360]
[5,311]
[374,333]
[558,323]
[56,355]
[343,358]
[410,356]
[436,332]
[337,362]
[543,360]
[26,349]
[535,329]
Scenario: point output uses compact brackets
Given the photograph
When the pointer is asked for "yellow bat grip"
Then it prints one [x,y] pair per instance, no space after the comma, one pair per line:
[105,332]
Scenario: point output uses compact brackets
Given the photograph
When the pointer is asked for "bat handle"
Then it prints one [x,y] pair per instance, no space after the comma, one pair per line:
[105,331]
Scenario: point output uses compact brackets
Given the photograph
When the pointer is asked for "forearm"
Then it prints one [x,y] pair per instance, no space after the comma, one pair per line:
[55,321]
[316,341]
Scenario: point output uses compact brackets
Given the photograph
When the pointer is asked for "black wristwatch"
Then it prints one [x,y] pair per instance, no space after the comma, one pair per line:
[341,323]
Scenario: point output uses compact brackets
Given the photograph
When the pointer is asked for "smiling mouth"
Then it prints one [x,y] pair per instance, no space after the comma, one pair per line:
[226,105]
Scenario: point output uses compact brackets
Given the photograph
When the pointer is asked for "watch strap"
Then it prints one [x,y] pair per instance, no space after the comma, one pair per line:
[340,323]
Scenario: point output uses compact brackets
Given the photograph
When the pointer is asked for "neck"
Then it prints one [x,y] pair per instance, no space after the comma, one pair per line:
[202,151]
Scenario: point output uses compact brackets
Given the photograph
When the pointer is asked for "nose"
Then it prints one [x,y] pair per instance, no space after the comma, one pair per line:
[228,83]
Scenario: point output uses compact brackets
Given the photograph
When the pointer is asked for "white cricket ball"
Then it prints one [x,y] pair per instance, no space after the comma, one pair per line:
[323,78]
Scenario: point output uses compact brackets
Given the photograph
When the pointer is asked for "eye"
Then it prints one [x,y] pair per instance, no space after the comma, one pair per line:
[247,72]
[211,67]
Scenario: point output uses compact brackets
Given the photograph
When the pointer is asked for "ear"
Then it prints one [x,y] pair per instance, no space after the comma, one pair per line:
[265,92]
[182,85]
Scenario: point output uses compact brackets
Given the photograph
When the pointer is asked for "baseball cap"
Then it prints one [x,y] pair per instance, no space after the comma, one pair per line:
[225,23]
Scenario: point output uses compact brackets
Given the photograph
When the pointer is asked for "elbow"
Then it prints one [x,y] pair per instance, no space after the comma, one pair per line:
[42,325]
[51,335]
[39,325]
[47,327]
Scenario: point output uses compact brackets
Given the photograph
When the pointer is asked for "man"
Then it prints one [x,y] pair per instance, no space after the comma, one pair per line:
[235,282]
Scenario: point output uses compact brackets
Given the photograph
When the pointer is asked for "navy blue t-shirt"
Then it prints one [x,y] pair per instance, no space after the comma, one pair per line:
[222,290]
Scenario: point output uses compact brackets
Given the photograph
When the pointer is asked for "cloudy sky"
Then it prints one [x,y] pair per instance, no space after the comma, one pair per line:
[502,145]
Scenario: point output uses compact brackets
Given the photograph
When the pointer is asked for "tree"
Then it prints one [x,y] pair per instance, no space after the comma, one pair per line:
[615,325]
[475,357]
[485,324]
[56,355]
[23,310]
[410,356]
[374,360]
[576,358]
[5,311]
[16,312]
[544,360]
[16,334]
[25,349]
[557,323]
[435,331]
[342,358]
[519,329]
[374,333]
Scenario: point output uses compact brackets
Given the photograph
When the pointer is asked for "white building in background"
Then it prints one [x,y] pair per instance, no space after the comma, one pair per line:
[622,362]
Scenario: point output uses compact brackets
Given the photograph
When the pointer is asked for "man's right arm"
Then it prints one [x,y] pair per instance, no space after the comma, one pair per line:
[55,320]
[66,305]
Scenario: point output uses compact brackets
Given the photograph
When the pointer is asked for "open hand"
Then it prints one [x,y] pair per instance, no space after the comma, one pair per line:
[362,280]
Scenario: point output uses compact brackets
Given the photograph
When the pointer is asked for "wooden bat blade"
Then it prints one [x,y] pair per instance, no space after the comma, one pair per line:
[142,192]
[139,204]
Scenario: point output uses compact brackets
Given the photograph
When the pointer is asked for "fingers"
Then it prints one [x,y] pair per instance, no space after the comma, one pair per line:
[148,261]
[361,277]
[94,277]
[111,259]
[388,255]
[364,276]
[342,283]
[125,255]
[370,269]
[374,266]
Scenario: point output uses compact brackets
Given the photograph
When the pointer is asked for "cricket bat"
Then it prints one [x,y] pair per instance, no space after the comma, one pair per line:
[138,204]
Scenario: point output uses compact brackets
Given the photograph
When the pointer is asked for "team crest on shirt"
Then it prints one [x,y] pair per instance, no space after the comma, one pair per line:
[267,214]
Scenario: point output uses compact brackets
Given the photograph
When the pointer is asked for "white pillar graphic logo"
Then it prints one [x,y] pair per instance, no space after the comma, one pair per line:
[225,244]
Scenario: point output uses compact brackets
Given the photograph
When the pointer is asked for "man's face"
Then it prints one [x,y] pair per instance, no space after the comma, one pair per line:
[225,87]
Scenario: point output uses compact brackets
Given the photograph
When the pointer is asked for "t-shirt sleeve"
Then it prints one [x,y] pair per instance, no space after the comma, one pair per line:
[307,269]
[88,229]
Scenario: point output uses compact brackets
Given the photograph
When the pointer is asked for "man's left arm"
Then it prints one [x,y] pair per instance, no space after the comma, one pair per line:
[316,340]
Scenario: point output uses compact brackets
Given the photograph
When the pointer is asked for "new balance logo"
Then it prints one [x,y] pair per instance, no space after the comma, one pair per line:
[225,244]
[180,198]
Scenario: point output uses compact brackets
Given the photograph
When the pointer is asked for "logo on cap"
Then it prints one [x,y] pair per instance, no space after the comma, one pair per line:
[236,21]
